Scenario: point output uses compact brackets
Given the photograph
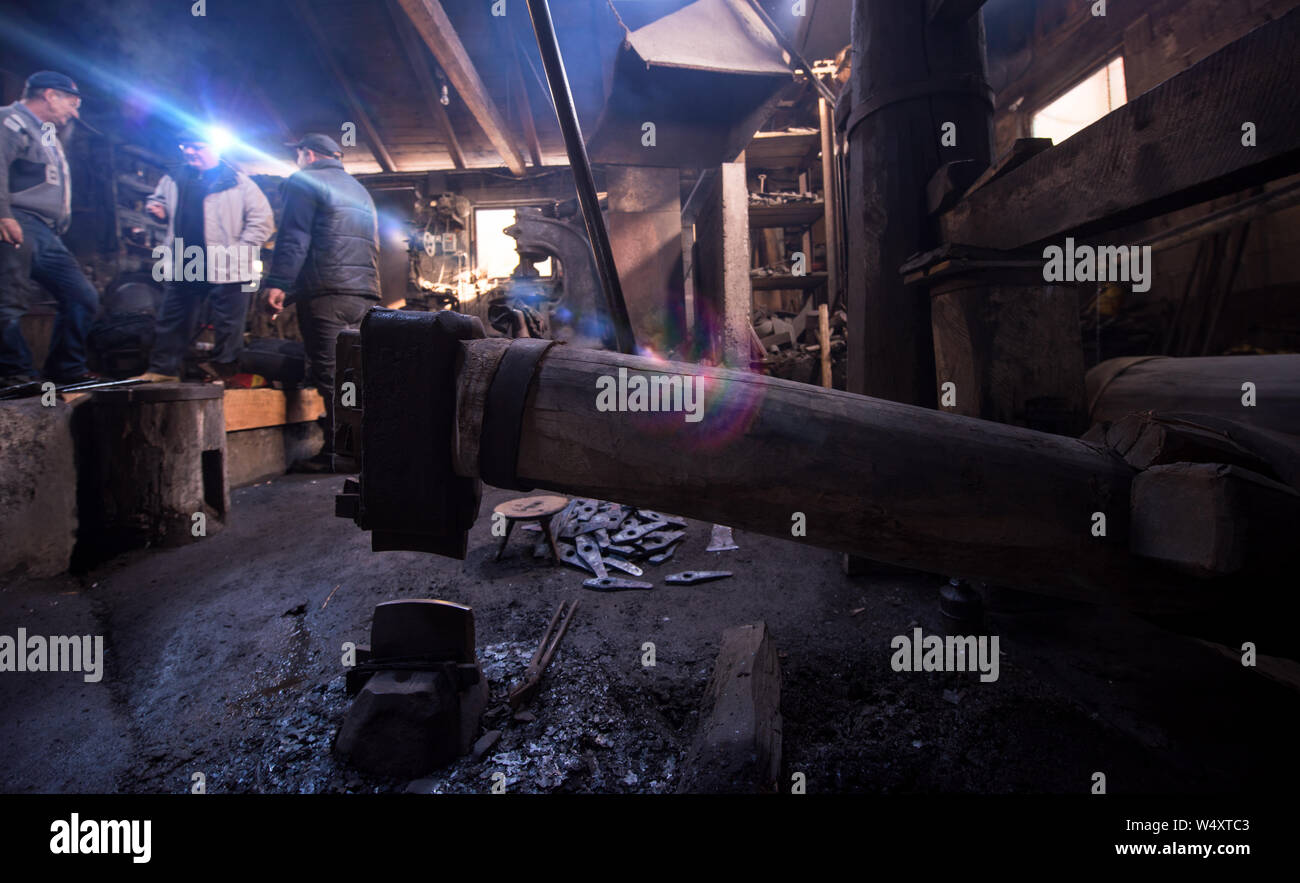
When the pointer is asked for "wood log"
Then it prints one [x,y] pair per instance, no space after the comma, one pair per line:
[896,483]
[1208,385]
[1176,145]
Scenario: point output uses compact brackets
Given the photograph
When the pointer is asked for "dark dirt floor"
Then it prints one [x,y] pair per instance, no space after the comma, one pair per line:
[224,657]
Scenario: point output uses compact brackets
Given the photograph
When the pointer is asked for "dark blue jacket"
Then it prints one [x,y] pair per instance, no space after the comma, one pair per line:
[328,241]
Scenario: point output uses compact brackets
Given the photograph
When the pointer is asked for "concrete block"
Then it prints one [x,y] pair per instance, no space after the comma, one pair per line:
[254,455]
[38,487]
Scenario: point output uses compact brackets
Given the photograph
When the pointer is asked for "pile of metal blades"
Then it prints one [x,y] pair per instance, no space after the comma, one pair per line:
[597,537]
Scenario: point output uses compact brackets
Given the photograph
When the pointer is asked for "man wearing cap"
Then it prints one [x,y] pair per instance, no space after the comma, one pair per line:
[327,250]
[213,206]
[35,209]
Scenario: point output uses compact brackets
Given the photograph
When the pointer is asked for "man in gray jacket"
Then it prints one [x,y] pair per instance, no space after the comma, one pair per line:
[218,220]
[35,209]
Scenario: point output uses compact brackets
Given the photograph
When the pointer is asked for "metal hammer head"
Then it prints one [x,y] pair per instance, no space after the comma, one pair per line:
[402,410]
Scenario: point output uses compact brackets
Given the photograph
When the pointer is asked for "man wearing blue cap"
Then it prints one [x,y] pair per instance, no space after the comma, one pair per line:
[35,209]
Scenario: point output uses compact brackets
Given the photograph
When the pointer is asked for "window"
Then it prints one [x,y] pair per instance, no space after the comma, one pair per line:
[1099,94]
[494,250]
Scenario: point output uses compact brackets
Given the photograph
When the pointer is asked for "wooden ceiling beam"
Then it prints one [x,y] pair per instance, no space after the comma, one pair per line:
[435,29]
[376,144]
[415,56]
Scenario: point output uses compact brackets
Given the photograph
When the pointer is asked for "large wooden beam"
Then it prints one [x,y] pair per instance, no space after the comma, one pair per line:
[900,484]
[430,20]
[1174,146]
[414,51]
[525,110]
[376,144]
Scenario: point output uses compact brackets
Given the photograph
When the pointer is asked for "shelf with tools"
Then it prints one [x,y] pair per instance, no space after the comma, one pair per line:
[783,204]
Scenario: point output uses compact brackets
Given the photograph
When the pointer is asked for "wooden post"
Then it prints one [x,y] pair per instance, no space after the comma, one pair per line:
[724,301]
[824,336]
[645,234]
[830,200]
[915,83]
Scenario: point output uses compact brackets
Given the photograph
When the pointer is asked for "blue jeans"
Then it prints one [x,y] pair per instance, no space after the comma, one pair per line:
[45,258]
[179,318]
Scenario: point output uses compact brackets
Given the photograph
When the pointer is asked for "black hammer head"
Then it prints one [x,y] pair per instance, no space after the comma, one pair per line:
[396,394]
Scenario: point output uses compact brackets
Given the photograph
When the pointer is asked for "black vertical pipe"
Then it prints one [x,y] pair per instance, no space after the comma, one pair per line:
[567,115]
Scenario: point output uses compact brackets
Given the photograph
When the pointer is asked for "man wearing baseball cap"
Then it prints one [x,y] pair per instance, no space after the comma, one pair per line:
[327,250]
[35,209]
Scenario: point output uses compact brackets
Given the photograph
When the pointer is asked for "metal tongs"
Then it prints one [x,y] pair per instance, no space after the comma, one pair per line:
[542,658]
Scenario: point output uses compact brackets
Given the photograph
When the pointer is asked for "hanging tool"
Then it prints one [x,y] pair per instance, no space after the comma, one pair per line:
[527,689]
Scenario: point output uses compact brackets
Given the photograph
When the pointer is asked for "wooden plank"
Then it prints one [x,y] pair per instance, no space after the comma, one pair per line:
[435,29]
[1174,146]
[256,408]
[795,214]
[414,51]
[776,283]
[824,338]
[1209,519]
[737,747]
[321,45]
[524,109]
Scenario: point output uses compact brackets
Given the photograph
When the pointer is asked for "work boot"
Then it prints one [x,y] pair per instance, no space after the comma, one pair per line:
[155,377]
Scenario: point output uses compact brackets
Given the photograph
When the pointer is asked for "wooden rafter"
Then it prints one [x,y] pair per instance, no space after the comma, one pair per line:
[382,156]
[415,57]
[435,29]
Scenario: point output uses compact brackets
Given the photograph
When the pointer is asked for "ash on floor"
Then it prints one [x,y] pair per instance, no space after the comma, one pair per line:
[224,663]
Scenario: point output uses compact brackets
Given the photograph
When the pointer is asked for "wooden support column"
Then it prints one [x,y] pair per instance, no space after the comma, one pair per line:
[724,302]
[910,78]
[830,200]
[645,233]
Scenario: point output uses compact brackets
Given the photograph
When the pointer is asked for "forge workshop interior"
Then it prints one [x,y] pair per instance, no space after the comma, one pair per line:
[649,397]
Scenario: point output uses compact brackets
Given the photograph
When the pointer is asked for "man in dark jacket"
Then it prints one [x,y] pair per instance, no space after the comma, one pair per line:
[327,249]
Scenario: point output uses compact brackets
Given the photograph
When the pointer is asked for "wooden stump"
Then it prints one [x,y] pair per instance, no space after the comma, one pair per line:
[159,459]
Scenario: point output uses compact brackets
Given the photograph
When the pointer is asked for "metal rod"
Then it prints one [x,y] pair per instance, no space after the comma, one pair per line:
[567,114]
[795,55]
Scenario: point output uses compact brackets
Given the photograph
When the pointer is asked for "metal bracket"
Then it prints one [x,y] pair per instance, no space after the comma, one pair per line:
[503,412]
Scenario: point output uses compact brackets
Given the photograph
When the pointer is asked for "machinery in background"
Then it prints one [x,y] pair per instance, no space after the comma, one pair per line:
[438,255]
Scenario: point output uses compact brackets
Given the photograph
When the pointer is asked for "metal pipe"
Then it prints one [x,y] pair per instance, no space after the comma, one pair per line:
[795,55]
[567,114]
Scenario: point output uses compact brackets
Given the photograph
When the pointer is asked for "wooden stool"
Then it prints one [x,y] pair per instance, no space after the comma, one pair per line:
[540,509]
